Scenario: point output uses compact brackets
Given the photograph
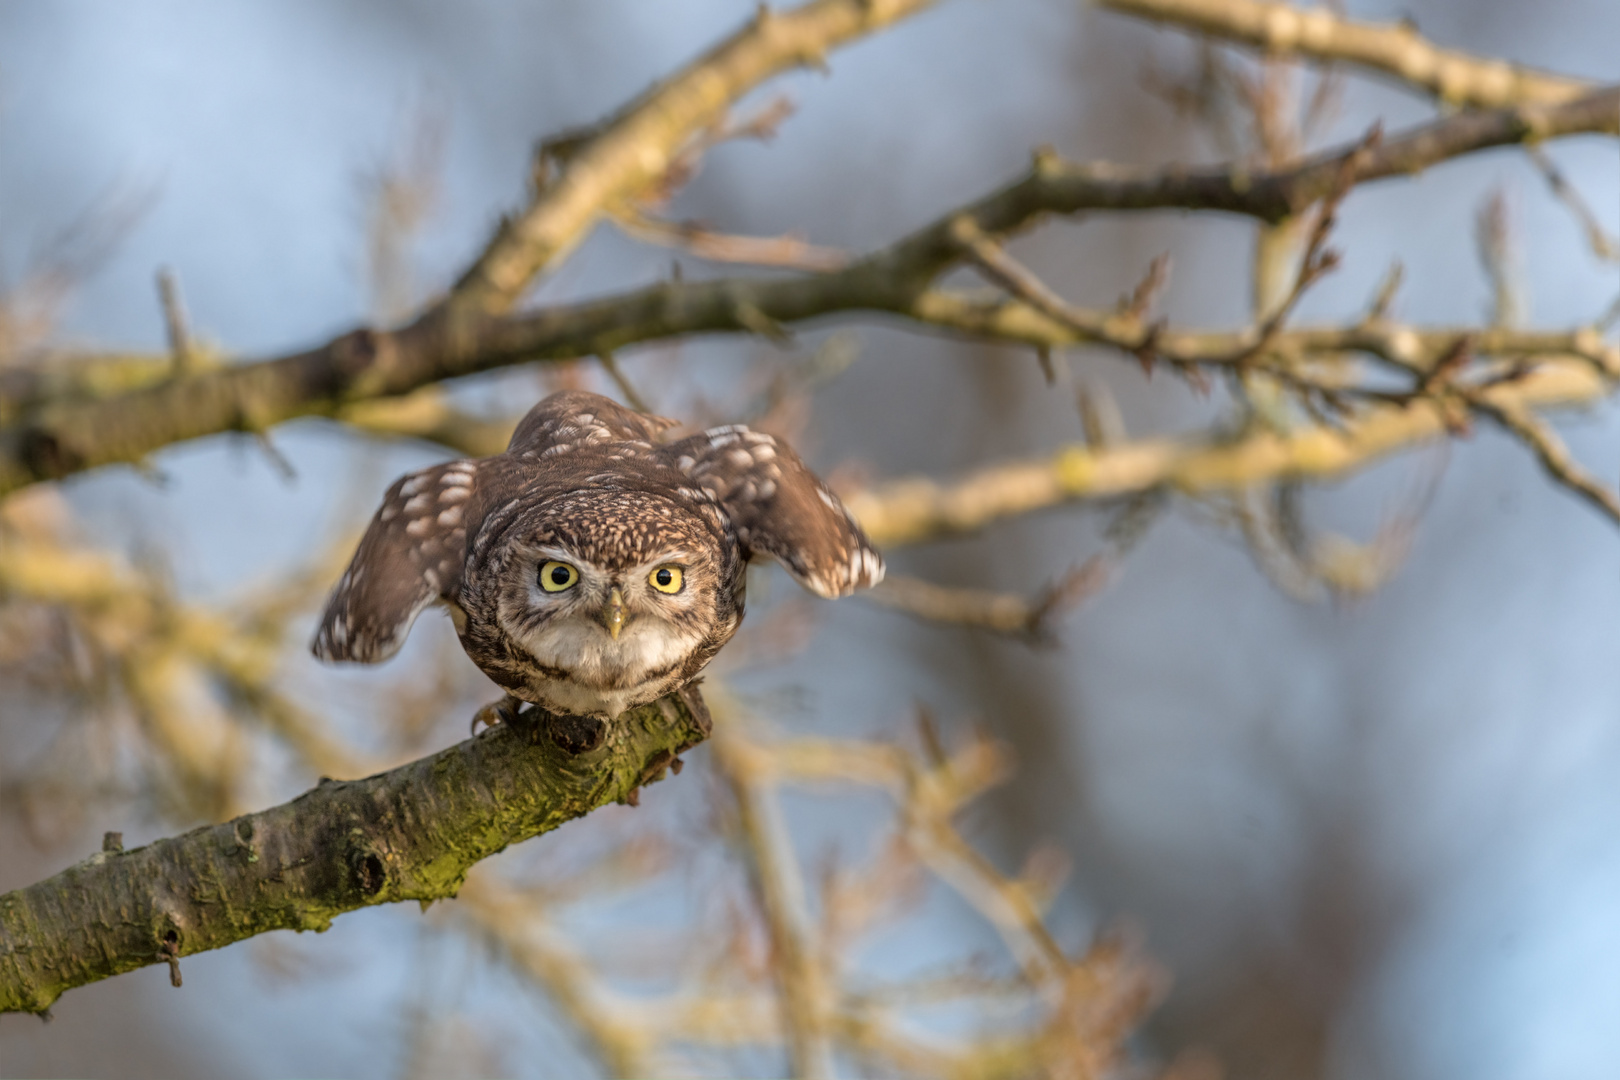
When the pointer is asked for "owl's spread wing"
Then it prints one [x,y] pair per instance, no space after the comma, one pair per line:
[411,556]
[780,508]
[572,418]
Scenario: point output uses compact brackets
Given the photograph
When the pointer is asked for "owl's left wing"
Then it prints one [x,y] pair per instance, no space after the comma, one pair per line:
[411,556]
[780,508]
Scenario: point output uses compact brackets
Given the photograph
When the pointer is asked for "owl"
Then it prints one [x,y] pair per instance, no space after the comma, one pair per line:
[589,568]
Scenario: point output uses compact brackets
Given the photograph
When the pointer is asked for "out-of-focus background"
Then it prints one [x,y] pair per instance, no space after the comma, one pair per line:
[1374,836]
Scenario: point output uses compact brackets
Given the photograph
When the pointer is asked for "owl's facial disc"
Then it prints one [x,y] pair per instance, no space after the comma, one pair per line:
[613,624]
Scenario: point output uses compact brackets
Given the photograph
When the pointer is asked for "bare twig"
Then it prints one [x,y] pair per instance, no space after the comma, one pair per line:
[1027,619]
[174,320]
[1494,243]
[1396,49]
[1602,244]
[610,364]
[1549,450]
[1011,275]
[792,252]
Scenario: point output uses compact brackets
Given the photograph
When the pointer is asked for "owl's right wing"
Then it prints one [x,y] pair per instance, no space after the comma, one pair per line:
[780,508]
[411,556]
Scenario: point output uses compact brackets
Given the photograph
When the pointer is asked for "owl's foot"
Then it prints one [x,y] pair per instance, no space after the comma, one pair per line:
[504,711]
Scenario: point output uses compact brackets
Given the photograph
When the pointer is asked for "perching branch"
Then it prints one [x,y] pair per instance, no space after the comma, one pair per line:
[1395,49]
[58,437]
[408,834]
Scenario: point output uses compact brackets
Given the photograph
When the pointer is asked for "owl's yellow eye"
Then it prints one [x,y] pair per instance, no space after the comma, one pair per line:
[557,576]
[666,579]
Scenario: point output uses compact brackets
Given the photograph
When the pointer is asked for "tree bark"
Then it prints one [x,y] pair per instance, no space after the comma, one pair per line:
[408,834]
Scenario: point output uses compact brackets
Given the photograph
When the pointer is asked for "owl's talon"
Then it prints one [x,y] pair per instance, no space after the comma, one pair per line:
[504,711]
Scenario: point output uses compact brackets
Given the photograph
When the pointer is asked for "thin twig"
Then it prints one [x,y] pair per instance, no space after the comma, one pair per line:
[792,252]
[1549,449]
[1397,49]
[1598,239]
[610,364]
[1028,619]
[174,321]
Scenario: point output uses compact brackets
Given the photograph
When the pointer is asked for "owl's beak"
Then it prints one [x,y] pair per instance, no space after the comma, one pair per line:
[613,613]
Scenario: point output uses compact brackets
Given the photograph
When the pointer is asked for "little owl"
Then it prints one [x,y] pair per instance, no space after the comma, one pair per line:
[589,569]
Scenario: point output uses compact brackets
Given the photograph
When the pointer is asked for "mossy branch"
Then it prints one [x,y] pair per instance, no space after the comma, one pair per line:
[408,834]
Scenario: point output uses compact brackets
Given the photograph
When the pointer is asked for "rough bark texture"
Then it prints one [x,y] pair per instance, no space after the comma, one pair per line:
[408,834]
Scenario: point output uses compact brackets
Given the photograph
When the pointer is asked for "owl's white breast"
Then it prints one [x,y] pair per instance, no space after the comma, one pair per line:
[606,677]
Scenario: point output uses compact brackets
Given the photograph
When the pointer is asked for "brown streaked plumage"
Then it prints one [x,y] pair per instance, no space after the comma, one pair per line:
[588,568]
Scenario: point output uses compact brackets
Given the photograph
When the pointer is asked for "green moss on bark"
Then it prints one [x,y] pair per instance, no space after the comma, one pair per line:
[408,834]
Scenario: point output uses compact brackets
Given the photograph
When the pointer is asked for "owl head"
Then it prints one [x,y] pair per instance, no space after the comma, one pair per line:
[608,591]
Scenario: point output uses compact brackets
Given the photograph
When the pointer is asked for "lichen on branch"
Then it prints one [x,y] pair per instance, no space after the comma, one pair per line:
[411,833]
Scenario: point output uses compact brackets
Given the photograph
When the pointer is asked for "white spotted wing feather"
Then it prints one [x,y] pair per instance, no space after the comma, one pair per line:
[779,508]
[411,556]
